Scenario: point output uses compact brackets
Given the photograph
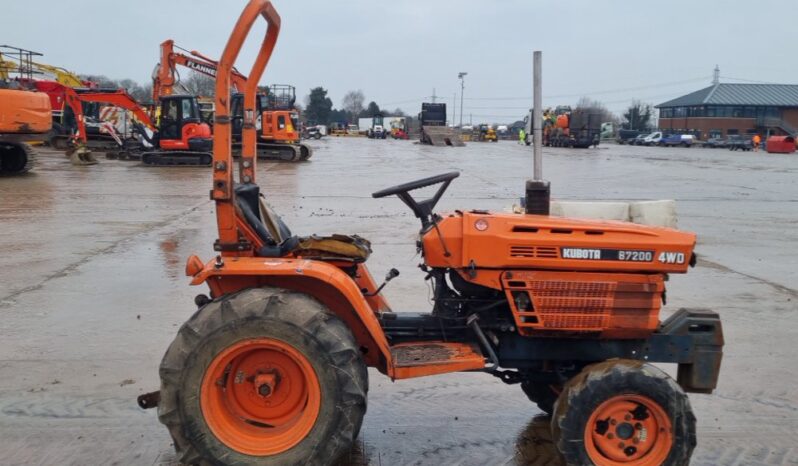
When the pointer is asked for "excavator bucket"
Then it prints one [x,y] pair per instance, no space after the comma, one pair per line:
[81,156]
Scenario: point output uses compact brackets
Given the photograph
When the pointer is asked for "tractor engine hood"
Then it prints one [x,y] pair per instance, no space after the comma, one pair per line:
[480,239]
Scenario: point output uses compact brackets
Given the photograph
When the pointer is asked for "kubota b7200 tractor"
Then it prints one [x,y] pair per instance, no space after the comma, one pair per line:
[271,369]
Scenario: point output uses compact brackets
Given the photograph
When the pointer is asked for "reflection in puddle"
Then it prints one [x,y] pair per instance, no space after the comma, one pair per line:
[171,258]
[357,457]
[532,447]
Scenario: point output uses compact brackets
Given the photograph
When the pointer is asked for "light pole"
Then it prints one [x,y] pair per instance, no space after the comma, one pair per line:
[461,75]
[454,107]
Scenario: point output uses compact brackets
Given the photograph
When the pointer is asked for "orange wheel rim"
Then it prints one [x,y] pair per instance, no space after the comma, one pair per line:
[628,430]
[260,397]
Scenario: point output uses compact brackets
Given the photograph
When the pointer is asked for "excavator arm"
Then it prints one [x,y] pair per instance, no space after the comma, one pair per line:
[74,103]
[62,76]
[166,76]
[6,67]
[119,98]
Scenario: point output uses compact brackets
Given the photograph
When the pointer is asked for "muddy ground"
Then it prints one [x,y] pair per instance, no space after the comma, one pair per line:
[92,291]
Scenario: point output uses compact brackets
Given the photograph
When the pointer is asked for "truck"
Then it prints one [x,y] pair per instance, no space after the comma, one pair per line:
[433,129]
[377,129]
[564,127]
[380,127]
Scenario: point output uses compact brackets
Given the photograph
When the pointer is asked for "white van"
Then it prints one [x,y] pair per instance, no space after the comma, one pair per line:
[652,139]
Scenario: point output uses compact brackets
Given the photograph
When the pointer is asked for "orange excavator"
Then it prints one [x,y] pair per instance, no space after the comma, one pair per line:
[277,117]
[180,138]
[25,116]
[271,369]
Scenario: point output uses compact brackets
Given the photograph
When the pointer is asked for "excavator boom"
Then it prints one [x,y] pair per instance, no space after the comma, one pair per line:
[279,136]
[167,77]
[119,98]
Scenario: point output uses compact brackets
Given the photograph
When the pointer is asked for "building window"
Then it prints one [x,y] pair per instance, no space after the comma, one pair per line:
[666,113]
[749,112]
[715,133]
[680,112]
[732,132]
[773,112]
[696,111]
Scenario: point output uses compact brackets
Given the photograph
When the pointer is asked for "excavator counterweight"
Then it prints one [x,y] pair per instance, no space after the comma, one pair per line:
[24,113]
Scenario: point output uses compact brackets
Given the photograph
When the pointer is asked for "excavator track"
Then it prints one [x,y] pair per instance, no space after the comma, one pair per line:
[16,158]
[279,152]
[175,158]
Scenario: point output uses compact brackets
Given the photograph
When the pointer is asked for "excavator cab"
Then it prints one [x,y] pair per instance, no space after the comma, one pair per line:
[277,122]
[181,126]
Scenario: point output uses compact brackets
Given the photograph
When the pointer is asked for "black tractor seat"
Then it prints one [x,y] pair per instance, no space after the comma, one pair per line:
[278,240]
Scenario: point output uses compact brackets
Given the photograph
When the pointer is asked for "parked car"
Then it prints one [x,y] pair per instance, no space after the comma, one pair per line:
[737,142]
[684,140]
[626,136]
[639,140]
[714,143]
[652,139]
[315,132]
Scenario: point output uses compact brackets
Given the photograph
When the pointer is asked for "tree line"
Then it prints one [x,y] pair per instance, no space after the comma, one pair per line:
[319,108]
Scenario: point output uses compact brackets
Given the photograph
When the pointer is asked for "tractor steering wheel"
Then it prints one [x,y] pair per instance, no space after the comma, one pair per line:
[422,209]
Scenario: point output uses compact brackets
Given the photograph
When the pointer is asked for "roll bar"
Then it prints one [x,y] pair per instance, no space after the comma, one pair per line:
[222,190]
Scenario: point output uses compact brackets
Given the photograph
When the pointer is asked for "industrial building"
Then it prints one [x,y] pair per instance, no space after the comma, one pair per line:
[726,109]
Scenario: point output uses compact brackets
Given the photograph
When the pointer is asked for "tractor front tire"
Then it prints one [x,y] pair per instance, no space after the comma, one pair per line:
[623,412]
[263,377]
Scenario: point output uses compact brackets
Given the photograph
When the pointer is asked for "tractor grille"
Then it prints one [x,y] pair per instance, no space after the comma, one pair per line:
[533,252]
[583,302]
[570,321]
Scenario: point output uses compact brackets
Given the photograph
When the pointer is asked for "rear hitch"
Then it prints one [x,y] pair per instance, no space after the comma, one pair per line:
[149,400]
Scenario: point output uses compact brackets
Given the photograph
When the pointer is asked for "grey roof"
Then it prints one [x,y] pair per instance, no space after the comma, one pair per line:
[779,95]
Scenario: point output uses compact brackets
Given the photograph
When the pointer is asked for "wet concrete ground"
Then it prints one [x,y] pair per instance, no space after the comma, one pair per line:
[92,292]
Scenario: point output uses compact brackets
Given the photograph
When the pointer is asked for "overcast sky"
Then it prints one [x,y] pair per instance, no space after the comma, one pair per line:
[396,52]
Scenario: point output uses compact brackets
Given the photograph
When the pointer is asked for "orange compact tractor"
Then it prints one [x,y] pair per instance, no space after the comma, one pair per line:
[271,369]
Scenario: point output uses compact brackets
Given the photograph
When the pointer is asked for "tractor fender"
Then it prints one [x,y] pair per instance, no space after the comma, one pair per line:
[325,282]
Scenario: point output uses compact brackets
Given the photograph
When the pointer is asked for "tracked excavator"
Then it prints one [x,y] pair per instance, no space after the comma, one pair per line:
[24,115]
[77,132]
[179,138]
[271,368]
[277,117]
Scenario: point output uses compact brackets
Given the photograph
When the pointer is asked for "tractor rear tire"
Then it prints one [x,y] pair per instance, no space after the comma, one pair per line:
[621,412]
[541,394]
[263,377]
